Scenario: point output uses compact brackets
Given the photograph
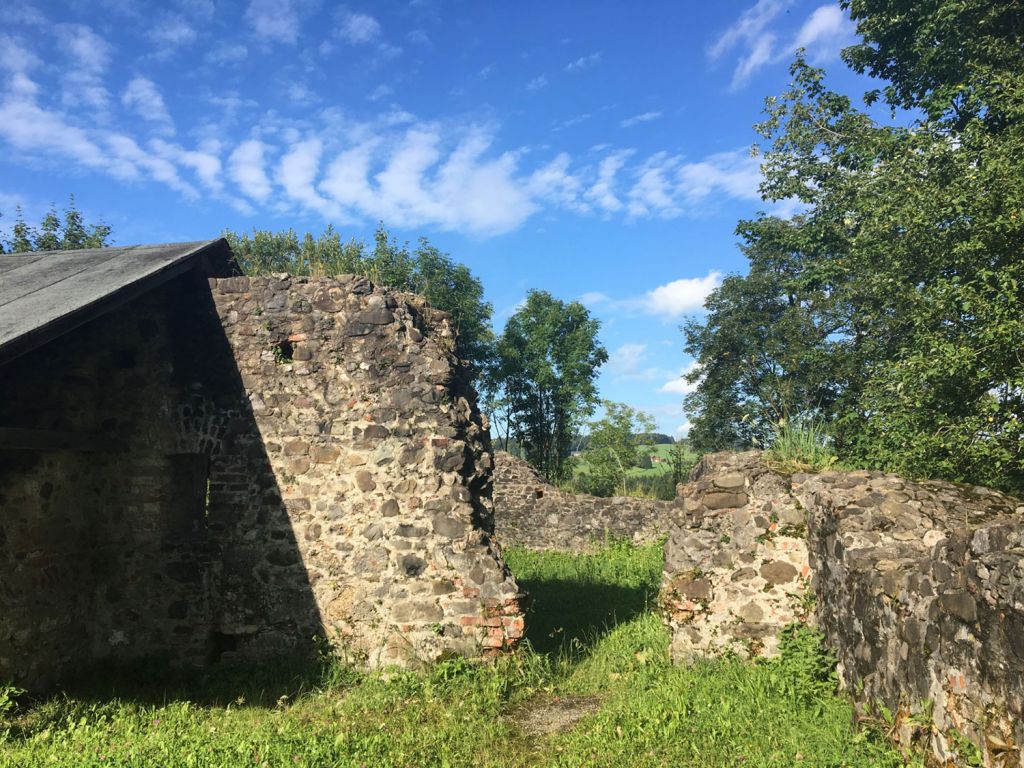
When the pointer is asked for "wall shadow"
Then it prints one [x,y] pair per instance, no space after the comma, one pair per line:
[157,545]
[569,616]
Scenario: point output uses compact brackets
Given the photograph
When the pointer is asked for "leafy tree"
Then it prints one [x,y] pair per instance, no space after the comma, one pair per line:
[614,447]
[763,348]
[55,233]
[426,271]
[547,362]
[681,461]
[655,438]
[889,311]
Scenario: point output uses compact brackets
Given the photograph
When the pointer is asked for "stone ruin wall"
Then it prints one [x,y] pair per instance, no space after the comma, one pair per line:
[736,561]
[918,588]
[383,463]
[260,461]
[530,513]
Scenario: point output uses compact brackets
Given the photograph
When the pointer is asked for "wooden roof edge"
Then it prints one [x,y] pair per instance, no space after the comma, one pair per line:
[214,258]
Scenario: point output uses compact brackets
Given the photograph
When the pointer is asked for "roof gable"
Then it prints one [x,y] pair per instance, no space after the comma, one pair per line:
[48,293]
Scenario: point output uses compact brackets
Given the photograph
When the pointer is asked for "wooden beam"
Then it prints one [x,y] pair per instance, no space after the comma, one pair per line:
[17,439]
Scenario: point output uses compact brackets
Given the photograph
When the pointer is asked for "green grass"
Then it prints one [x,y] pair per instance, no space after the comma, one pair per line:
[800,446]
[593,634]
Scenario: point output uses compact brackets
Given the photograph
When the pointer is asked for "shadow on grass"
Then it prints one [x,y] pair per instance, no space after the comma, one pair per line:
[570,617]
[153,682]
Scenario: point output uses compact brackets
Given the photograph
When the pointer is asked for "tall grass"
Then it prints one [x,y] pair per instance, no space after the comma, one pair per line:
[801,445]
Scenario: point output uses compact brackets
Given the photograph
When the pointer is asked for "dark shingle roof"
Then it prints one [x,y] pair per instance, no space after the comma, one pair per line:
[48,293]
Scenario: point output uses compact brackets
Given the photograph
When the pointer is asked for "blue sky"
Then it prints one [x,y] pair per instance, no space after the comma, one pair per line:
[597,150]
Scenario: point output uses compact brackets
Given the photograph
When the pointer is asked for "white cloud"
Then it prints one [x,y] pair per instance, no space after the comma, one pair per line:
[247,168]
[277,21]
[626,359]
[204,163]
[21,13]
[749,27]
[674,299]
[394,166]
[592,299]
[646,117]
[171,31]
[556,183]
[131,158]
[31,129]
[15,56]
[823,33]
[297,174]
[227,54]
[82,80]
[83,46]
[735,174]
[423,182]
[357,28]
[679,385]
[300,94]
[142,97]
[537,83]
[761,53]
[583,62]
[380,92]
[601,193]
[654,193]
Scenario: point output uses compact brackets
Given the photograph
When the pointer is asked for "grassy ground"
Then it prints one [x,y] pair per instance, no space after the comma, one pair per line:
[596,690]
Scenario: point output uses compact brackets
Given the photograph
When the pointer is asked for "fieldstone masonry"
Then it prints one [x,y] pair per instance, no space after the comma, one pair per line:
[918,587]
[736,564]
[255,461]
[921,594]
[530,513]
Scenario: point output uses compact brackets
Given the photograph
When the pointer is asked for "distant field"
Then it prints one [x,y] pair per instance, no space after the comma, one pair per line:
[664,451]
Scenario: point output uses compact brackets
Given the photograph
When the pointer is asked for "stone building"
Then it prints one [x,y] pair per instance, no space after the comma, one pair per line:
[197,466]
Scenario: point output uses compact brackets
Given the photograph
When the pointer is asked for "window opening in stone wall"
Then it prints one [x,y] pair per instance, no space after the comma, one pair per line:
[538,493]
[188,501]
[283,352]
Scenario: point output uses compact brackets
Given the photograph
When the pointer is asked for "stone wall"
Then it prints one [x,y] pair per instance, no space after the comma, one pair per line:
[373,433]
[530,513]
[921,594]
[918,587]
[736,564]
[247,467]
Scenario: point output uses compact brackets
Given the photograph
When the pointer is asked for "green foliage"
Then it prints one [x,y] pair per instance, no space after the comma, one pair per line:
[594,636]
[613,448]
[9,698]
[425,271]
[890,311]
[681,461]
[800,446]
[55,233]
[547,362]
[764,346]
[807,669]
[954,59]
[655,482]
